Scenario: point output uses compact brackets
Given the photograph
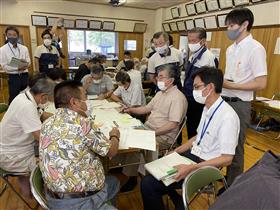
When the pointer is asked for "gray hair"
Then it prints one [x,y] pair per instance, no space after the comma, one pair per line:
[164,34]
[169,69]
[201,32]
[43,85]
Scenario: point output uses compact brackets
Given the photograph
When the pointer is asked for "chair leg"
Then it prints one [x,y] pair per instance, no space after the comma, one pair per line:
[14,190]
[3,189]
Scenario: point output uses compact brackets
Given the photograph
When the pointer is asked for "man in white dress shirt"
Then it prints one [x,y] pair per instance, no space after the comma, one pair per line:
[18,76]
[246,72]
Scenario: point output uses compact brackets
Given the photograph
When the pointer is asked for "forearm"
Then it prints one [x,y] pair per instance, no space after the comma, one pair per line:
[114,147]
[108,94]
[152,78]
[139,110]
[258,83]
[169,126]
[183,148]
[223,160]
[116,98]
[36,65]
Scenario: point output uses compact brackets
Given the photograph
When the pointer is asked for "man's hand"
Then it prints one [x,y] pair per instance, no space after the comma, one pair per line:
[182,171]
[22,68]
[115,132]
[89,80]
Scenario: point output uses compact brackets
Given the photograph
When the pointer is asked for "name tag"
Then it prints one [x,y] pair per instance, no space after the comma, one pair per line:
[50,66]
[196,150]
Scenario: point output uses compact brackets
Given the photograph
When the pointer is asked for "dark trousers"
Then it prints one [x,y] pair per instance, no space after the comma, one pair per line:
[194,113]
[17,83]
[243,110]
[152,190]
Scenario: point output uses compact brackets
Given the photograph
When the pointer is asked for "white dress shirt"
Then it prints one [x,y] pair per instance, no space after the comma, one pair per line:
[245,61]
[7,52]
[207,59]
[221,136]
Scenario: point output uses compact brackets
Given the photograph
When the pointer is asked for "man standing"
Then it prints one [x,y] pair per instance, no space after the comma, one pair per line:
[164,55]
[18,76]
[200,56]
[246,72]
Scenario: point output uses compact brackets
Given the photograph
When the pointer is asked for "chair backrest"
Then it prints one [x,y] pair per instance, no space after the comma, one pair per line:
[182,125]
[3,107]
[198,179]
[37,187]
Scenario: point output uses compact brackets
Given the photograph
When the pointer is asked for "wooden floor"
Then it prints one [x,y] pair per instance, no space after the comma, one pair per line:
[254,147]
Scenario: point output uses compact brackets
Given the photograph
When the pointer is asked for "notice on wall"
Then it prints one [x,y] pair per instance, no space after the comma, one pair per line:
[277,47]
[216,52]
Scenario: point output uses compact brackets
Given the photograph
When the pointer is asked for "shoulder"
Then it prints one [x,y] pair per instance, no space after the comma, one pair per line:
[257,45]
[229,113]
[5,46]
[22,47]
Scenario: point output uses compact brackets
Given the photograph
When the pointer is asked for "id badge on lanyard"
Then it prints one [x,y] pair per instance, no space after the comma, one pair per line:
[196,149]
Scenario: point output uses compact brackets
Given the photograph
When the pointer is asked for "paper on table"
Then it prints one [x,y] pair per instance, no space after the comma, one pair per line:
[262,99]
[92,97]
[274,103]
[18,63]
[110,105]
[143,139]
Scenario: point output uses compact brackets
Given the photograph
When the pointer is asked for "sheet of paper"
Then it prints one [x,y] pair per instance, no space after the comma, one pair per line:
[17,63]
[273,103]
[92,97]
[159,168]
[258,98]
[143,139]
[110,105]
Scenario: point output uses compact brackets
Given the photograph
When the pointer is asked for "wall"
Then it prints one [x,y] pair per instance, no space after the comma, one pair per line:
[20,14]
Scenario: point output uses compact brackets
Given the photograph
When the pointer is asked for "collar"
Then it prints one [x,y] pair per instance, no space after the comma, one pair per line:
[68,112]
[50,49]
[213,107]
[168,53]
[30,97]
[130,87]
[170,89]
[197,53]
[12,46]
[244,41]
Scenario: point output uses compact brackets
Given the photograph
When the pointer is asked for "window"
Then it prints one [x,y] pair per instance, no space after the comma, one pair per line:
[130,45]
[96,41]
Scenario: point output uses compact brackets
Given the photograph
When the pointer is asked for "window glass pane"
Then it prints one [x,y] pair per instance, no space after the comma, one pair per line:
[101,42]
[76,41]
[130,45]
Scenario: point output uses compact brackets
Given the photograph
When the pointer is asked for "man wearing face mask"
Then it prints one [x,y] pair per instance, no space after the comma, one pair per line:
[164,55]
[70,146]
[20,128]
[98,83]
[245,72]
[200,56]
[127,56]
[214,144]
[46,55]
[18,76]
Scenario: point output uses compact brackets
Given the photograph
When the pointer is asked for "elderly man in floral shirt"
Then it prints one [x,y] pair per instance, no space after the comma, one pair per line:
[69,148]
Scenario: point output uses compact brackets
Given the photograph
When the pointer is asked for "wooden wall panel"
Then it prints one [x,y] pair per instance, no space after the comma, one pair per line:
[24,32]
[131,36]
[176,39]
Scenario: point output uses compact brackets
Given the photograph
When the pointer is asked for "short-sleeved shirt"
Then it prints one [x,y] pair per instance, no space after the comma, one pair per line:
[21,119]
[104,86]
[221,136]
[133,96]
[82,71]
[135,76]
[48,58]
[69,149]
[169,105]
[7,52]
[207,59]
[244,62]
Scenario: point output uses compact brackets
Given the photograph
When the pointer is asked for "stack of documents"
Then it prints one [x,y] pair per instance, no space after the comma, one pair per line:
[18,63]
[163,168]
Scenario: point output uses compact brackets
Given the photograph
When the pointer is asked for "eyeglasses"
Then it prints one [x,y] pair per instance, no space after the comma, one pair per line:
[160,78]
[196,87]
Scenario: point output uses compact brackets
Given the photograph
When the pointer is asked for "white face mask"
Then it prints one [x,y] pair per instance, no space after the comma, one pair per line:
[198,97]
[44,106]
[161,50]
[97,81]
[47,42]
[194,47]
[161,85]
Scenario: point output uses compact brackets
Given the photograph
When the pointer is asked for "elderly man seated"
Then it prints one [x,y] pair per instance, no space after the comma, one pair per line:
[167,110]
[20,128]
[214,144]
[70,146]
[97,83]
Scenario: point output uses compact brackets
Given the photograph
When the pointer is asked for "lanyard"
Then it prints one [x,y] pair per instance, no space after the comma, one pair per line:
[13,51]
[205,126]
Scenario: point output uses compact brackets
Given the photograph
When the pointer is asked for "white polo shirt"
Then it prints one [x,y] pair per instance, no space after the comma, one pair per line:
[221,136]
[133,96]
[17,125]
[158,60]
[244,62]
[7,52]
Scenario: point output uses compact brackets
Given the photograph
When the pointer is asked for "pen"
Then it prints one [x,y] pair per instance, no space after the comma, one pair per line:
[116,124]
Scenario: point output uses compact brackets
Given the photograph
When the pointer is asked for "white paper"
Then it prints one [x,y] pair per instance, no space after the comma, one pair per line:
[18,63]
[92,97]
[273,103]
[258,98]
[143,139]
[216,52]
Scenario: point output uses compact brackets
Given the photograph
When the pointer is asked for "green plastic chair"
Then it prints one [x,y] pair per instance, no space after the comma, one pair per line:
[37,187]
[199,179]
[5,177]
[3,107]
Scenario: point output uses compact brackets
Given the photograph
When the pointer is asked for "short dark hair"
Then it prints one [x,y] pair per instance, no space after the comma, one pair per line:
[169,68]
[96,69]
[12,28]
[46,31]
[201,32]
[57,73]
[164,34]
[94,60]
[122,77]
[129,65]
[33,78]
[127,53]
[64,91]
[102,57]
[239,16]
[210,75]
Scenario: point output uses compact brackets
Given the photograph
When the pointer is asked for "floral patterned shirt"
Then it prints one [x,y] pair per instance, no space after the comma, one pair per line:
[69,149]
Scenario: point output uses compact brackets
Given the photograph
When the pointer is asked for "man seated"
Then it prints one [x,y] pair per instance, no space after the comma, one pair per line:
[97,83]
[69,148]
[20,128]
[167,110]
[214,144]
[127,56]
[85,68]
